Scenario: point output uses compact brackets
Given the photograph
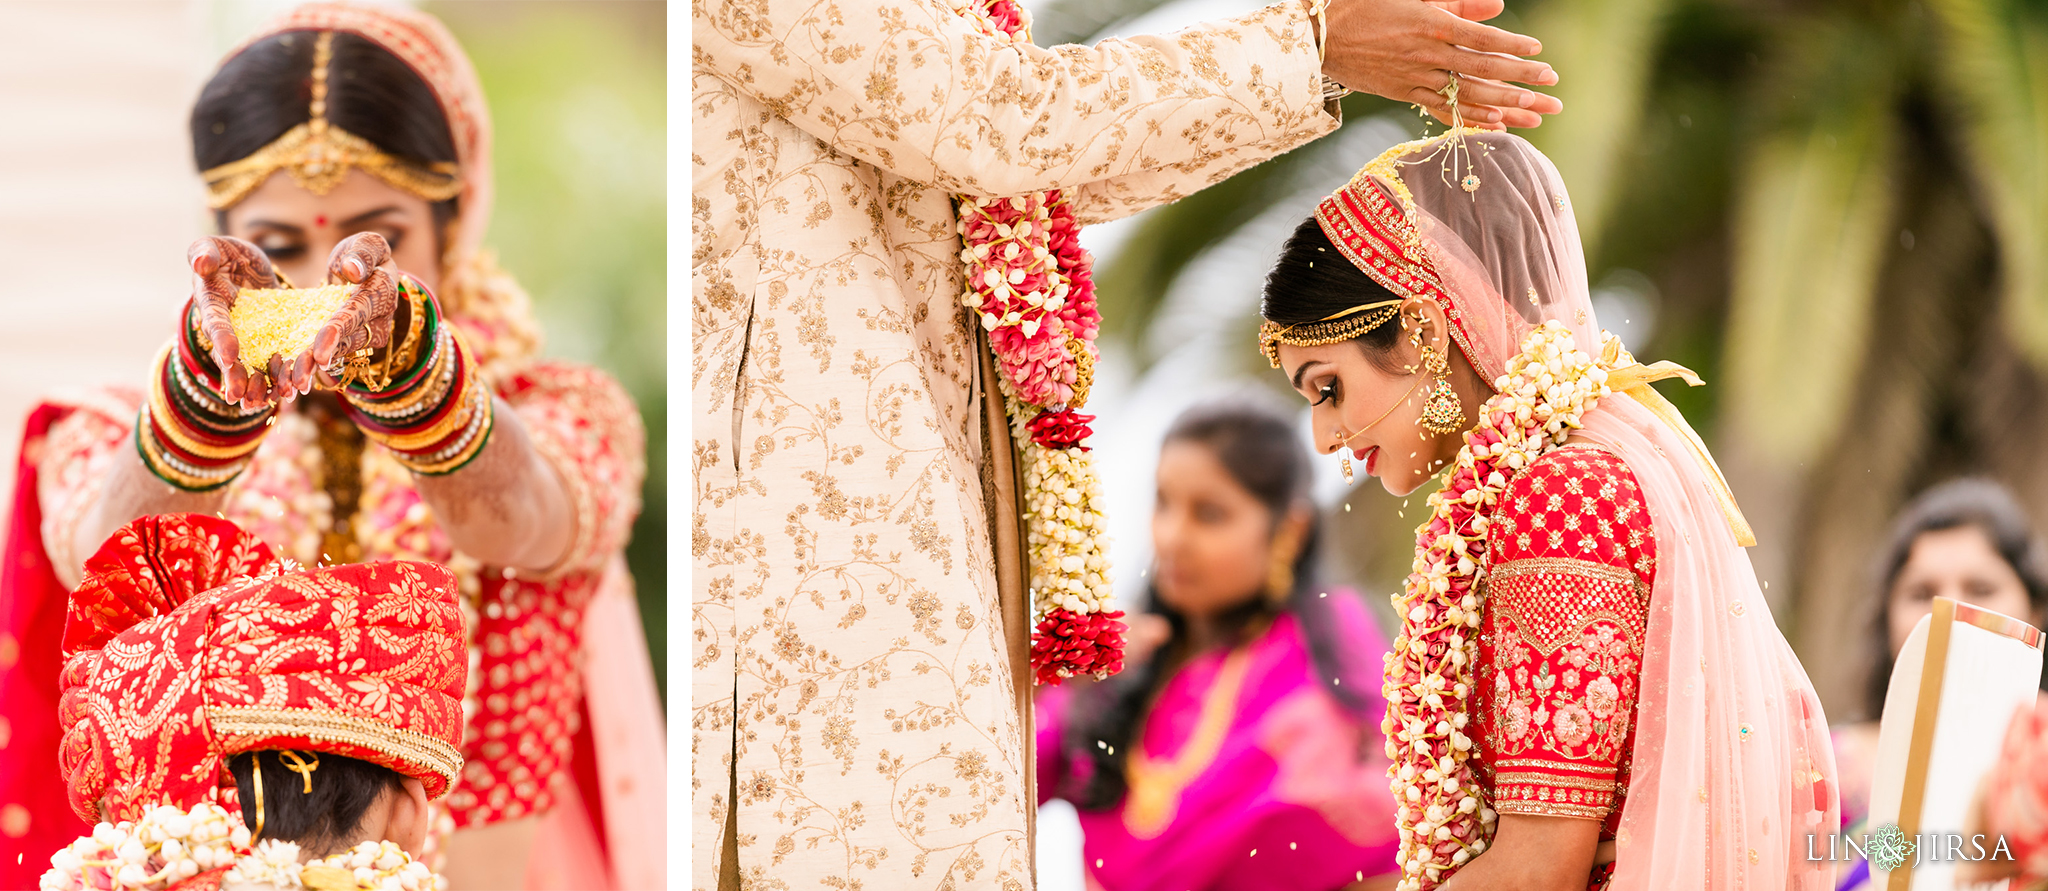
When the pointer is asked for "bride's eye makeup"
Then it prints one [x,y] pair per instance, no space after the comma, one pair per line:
[1325,392]
[279,248]
[392,236]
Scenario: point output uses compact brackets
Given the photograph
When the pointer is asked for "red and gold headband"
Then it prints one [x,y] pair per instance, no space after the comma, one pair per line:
[318,155]
[1370,229]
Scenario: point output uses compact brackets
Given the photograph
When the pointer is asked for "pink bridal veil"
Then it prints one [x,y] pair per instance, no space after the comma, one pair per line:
[1732,769]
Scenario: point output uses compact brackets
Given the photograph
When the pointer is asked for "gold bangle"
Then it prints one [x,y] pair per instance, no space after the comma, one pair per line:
[455,420]
[401,351]
[176,473]
[469,451]
[449,423]
[409,349]
[482,410]
[180,438]
[437,379]
[160,406]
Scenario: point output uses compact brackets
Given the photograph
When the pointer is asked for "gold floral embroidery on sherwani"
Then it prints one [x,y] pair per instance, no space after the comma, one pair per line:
[849,657]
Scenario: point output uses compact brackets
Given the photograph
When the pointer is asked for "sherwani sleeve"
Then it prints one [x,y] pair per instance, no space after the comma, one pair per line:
[917,89]
[1571,558]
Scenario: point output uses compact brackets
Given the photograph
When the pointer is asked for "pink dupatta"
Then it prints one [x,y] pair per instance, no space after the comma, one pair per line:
[1732,767]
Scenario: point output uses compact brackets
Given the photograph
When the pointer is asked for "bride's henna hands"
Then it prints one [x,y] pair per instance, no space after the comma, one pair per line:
[366,321]
[221,267]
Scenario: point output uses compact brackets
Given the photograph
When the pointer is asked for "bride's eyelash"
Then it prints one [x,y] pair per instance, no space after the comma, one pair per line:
[1328,391]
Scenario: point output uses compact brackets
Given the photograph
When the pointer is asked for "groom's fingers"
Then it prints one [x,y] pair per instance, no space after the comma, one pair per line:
[1448,28]
[1466,119]
[1469,115]
[1472,10]
[1492,66]
[1520,118]
[1480,91]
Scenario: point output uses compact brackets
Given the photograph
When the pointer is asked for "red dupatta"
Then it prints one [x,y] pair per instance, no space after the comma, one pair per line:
[35,815]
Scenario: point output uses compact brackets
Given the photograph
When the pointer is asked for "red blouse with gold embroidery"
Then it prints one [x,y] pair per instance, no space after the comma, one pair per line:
[1571,557]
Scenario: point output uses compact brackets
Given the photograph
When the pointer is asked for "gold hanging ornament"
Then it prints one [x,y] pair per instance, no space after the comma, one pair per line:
[1442,414]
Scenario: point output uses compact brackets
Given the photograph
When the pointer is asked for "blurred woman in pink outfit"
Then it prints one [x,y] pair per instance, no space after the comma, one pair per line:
[1244,753]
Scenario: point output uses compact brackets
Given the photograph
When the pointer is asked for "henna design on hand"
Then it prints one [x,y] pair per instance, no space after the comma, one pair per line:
[364,322]
[221,267]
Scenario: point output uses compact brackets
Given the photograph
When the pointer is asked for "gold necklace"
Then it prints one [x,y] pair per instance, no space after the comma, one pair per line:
[1156,784]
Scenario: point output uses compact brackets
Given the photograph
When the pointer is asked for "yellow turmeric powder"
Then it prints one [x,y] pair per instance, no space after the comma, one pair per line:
[282,321]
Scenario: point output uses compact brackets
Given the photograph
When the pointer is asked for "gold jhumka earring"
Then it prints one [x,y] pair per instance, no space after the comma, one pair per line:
[1443,414]
[1280,573]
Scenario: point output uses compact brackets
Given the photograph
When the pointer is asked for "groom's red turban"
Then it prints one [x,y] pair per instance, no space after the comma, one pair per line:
[188,642]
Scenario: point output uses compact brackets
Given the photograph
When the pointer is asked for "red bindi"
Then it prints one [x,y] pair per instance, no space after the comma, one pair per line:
[319,220]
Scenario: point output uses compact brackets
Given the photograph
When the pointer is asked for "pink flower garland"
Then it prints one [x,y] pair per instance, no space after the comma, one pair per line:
[1030,283]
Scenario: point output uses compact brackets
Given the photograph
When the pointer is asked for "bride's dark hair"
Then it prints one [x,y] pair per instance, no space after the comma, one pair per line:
[1259,449]
[267,89]
[1311,281]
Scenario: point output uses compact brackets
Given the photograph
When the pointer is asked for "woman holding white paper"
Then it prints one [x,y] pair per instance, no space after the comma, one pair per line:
[1967,540]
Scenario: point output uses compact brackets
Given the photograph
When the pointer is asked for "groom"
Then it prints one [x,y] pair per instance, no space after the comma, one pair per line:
[860,695]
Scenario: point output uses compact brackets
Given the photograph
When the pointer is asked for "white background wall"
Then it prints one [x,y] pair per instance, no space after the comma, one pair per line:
[98,199]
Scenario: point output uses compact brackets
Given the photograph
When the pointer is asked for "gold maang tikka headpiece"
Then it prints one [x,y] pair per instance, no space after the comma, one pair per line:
[1332,328]
[318,155]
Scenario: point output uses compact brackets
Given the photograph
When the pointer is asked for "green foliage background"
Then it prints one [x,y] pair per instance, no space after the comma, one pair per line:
[577,92]
[1841,209]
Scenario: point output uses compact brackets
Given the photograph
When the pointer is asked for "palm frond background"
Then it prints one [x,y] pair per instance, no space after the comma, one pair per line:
[1834,210]
[578,103]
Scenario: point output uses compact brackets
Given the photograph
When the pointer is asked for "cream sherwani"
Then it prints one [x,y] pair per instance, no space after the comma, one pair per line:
[857,669]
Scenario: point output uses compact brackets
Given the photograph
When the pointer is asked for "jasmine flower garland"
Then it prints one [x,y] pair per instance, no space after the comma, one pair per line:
[1443,818]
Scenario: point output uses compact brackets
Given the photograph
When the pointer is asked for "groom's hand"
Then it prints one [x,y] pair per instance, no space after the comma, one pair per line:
[1406,50]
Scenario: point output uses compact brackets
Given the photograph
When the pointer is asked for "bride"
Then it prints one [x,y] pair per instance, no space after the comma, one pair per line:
[1588,689]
